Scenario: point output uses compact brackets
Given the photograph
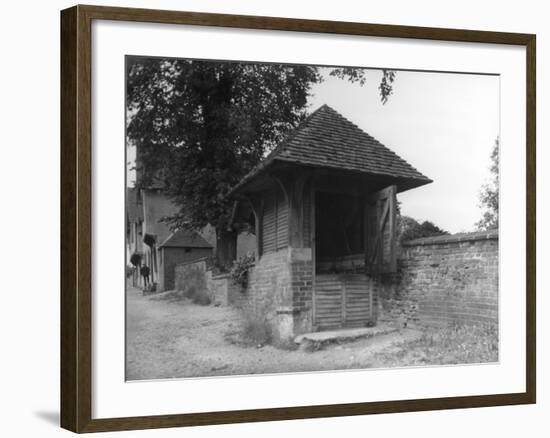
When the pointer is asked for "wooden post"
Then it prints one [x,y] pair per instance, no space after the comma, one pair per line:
[257,205]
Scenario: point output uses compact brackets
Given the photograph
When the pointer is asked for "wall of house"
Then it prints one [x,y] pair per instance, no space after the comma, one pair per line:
[445,279]
[170,257]
[246,242]
[155,207]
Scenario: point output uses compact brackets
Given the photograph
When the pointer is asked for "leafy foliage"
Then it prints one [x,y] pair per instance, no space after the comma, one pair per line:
[358,75]
[489,195]
[200,126]
[410,228]
[239,271]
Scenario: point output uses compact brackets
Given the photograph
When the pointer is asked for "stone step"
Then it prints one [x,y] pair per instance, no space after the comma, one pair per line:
[345,335]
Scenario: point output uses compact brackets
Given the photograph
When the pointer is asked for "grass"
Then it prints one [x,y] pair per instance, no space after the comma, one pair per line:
[198,295]
[454,344]
[192,288]
[254,332]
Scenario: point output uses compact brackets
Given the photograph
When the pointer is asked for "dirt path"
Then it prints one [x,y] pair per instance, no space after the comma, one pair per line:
[179,339]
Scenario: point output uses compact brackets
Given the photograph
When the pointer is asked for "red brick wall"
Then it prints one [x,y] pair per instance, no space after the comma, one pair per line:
[449,278]
[302,289]
[280,291]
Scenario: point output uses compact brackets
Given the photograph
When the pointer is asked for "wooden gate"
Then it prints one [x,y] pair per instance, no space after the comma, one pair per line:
[342,300]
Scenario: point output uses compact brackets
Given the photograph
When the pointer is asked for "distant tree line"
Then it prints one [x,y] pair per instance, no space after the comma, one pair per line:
[410,229]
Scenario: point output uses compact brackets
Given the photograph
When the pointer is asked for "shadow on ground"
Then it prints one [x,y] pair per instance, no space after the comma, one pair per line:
[51,417]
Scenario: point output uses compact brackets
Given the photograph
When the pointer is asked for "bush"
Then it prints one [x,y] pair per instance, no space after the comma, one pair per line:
[239,271]
[198,296]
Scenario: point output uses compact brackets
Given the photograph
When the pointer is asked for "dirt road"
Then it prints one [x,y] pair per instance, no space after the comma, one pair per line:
[179,339]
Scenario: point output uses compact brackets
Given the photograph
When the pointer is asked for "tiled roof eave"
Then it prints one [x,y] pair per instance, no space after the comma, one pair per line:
[351,169]
[326,139]
[194,242]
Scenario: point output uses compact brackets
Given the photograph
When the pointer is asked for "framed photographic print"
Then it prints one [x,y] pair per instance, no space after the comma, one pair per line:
[305,218]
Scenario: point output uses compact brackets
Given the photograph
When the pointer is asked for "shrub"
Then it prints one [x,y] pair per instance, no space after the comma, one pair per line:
[239,271]
[198,295]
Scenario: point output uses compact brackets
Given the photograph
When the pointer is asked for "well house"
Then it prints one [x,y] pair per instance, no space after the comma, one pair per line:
[323,205]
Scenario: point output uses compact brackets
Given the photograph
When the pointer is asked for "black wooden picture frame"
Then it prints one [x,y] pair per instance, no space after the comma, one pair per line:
[76,218]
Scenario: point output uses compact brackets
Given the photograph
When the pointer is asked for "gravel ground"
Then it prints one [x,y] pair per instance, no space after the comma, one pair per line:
[170,339]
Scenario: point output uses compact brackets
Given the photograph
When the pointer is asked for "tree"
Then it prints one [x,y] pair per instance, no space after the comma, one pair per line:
[489,195]
[200,126]
[410,228]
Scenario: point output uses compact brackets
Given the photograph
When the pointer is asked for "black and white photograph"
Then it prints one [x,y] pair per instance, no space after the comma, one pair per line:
[275,219]
[288,218]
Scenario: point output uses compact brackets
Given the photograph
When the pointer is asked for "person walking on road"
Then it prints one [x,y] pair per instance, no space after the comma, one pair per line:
[145,274]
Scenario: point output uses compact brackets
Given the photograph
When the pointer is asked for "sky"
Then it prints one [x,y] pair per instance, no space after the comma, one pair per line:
[443,124]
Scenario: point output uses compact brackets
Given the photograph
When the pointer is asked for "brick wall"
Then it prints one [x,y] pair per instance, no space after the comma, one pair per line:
[196,271]
[302,289]
[446,278]
[224,291]
[220,287]
[280,291]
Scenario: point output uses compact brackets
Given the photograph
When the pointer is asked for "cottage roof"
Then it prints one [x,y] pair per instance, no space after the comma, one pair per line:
[133,209]
[185,239]
[327,139]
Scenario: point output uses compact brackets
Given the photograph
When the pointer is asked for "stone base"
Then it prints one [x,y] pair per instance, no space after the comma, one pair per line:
[345,335]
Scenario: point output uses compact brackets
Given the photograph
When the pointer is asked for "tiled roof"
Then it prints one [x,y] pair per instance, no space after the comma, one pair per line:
[327,139]
[185,239]
[134,210]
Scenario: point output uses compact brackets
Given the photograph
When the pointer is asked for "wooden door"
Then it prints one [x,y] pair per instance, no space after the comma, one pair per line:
[329,301]
[380,231]
[342,300]
[358,299]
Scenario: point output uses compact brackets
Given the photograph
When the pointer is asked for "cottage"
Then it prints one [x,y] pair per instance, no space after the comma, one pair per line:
[324,209]
[151,242]
[134,233]
[180,247]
